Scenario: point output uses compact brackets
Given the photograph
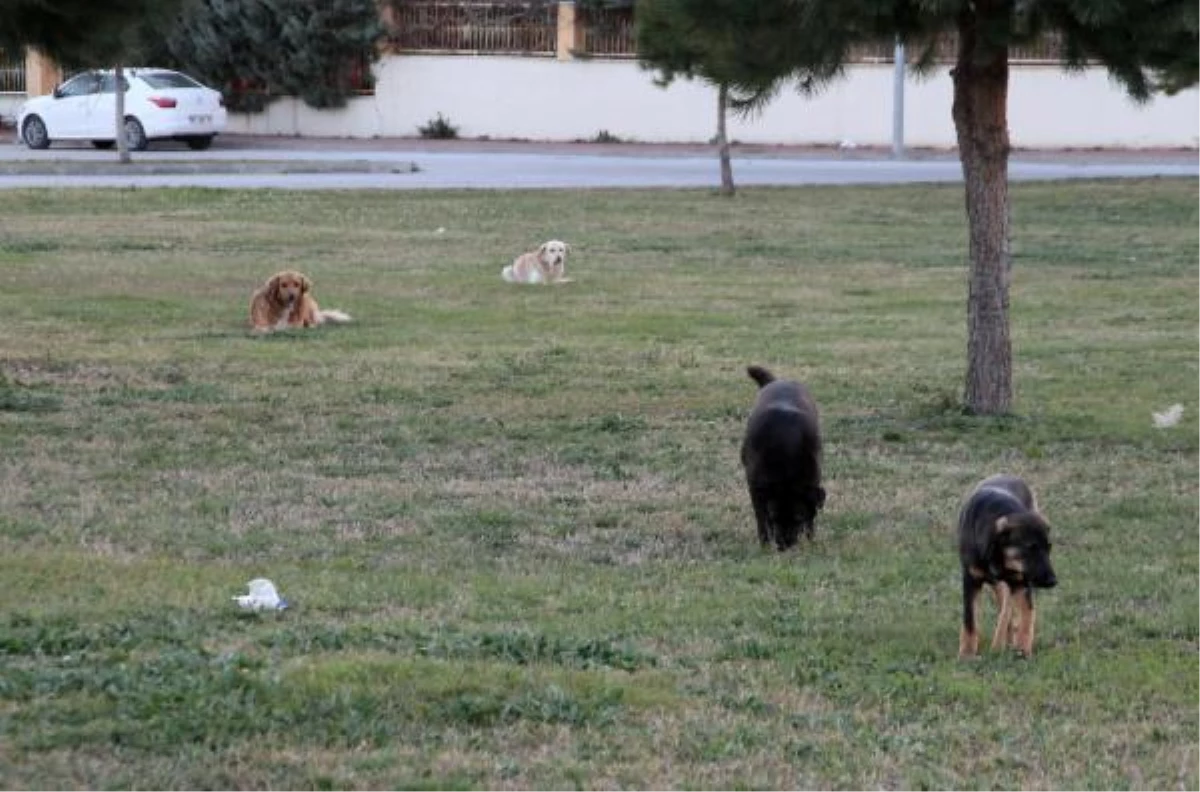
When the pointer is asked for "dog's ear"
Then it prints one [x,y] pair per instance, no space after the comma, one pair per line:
[819,493]
[305,284]
[760,375]
[273,285]
[999,537]
[542,248]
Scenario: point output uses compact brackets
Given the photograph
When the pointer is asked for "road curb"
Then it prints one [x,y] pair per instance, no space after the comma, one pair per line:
[218,167]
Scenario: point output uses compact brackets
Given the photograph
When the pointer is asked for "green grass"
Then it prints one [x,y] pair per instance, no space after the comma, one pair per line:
[512,521]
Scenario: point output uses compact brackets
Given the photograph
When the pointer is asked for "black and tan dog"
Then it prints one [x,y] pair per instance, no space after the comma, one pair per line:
[1003,542]
[781,453]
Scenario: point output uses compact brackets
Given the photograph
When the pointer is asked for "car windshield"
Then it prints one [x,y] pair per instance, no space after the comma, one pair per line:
[168,79]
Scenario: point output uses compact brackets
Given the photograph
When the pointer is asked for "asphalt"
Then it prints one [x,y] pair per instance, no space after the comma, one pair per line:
[404,163]
[635,149]
[251,147]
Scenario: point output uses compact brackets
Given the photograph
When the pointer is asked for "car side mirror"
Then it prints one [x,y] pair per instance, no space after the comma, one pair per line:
[58,92]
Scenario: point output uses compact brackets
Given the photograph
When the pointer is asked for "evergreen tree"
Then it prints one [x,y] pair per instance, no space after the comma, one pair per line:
[85,34]
[323,41]
[730,44]
[79,33]
[1146,45]
[224,43]
[256,49]
[1173,73]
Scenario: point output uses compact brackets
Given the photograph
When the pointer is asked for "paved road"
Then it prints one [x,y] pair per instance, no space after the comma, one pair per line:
[289,163]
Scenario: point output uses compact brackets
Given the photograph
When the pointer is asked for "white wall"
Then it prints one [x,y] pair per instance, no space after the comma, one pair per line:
[545,99]
[9,105]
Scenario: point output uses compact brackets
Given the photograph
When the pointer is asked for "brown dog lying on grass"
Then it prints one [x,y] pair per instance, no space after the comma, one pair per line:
[781,453]
[1003,542]
[285,301]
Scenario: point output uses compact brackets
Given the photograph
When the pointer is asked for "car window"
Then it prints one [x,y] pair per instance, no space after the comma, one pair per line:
[80,85]
[168,79]
[106,84]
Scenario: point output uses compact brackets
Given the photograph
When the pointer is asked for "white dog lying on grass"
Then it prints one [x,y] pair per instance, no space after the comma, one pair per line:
[547,264]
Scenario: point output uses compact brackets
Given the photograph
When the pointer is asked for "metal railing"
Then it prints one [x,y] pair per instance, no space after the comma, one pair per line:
[12,73]
[477,27]
[530,27]
[608,32]
[1045,50]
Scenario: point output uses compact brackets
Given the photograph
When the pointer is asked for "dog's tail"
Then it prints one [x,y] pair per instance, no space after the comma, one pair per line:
[760,375]
[507,274]
[335,316]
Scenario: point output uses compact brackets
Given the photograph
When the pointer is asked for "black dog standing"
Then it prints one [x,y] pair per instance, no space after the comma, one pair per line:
[782,457]
[1003,542]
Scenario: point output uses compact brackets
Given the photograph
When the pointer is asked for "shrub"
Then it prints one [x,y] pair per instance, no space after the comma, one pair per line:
[439,128]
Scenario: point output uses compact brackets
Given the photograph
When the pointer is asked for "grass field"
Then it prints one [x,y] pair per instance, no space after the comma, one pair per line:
[512,521]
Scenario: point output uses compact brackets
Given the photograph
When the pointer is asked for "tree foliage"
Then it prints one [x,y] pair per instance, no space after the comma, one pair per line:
[257,49]
[86,34]
[757,45]
[81,33]
[1175,58]
[322,41]
[736,46]
[1146,45]
[752,46]
[219,42]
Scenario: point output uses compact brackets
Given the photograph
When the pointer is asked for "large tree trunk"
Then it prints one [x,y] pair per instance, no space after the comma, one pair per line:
[723,140]
[981,123]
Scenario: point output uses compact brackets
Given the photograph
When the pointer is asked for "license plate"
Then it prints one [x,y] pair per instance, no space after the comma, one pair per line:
[200,119]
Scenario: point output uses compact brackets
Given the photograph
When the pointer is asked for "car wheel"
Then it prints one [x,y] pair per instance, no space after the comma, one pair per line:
[103,144]
[199,142]
[34,133]
[135,135]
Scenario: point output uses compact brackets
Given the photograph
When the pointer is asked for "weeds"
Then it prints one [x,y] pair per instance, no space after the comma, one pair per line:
[438,128]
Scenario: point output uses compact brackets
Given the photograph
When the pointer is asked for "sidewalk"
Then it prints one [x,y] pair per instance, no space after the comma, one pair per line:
[251,161]
[477,145]
[11,150]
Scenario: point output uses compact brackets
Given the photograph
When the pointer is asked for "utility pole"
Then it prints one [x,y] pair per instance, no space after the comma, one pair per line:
[898,102]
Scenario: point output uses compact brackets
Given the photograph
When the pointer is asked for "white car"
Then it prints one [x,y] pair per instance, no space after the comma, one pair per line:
[159,104]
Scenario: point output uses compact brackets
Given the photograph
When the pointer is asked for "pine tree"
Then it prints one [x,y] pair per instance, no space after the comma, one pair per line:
[79,33]
[1146,45]
[257,49]
[731,45]
[85,34]
[229,44]
[323,41]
